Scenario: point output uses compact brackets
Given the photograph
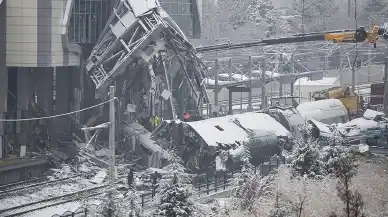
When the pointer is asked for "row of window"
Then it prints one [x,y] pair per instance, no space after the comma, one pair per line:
[89,17]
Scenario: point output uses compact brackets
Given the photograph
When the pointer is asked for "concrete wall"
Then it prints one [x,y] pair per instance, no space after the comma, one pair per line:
[34,34]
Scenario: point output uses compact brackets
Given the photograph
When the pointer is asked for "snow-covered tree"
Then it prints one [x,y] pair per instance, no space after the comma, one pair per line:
[344,171]
[174,189]
[375,9]
[120,204]
[174,200]
[315,14]
[134,209]
[279,212]
[175,168]
[305,160]
[238,20]
[313,161]
[249,186]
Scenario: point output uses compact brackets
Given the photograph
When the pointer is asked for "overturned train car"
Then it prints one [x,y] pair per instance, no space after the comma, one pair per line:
[200,142]
[370,129]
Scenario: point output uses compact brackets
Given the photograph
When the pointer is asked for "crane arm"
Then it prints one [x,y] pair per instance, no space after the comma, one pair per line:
[337,36]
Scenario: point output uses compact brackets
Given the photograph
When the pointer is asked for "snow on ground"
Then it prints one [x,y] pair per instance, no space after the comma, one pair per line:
[321,196]
[42,192]
[61,209]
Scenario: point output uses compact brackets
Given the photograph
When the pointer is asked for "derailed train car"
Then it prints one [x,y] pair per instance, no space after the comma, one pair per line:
[371,129]
[200,142]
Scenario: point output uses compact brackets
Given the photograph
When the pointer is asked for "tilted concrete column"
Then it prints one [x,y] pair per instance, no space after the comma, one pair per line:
[3,77]
[23,90]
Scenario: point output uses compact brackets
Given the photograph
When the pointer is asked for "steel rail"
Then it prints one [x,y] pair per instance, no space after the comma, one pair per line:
[37,184]
[52,199]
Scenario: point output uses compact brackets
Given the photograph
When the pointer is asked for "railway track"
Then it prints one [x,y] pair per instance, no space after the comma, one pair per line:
[49,202]
[17,188]
[53,201]
[17,184]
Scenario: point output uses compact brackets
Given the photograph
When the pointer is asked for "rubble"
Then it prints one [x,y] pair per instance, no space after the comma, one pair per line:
[370,129]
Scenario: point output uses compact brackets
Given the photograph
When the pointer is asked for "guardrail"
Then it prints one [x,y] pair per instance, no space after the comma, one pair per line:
[204,184]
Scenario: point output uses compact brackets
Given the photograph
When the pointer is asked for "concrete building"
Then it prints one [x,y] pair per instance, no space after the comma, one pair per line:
[42,71]
[186,13]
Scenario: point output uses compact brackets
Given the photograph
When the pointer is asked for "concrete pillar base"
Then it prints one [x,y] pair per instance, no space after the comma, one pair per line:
[230,101]
[45,100]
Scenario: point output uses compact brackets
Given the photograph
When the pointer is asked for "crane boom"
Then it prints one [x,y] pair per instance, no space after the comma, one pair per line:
[336,36]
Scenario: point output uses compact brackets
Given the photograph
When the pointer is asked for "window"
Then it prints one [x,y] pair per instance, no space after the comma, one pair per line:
[181,11]
[88,19]
[219,128]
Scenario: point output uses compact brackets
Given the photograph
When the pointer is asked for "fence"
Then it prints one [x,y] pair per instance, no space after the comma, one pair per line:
[204,184]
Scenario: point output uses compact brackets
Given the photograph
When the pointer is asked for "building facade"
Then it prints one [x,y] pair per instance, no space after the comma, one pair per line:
[45,43]
[187,14]
[88,18]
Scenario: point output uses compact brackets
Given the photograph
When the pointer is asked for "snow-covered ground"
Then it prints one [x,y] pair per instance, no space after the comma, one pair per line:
[321,195]
[43,192]
[63,208]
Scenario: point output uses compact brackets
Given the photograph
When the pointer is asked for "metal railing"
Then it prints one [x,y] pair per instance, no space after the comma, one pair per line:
[204,185]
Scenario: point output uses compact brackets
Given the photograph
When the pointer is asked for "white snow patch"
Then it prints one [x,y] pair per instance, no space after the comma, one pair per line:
[372,114]
[305,81]
[99,177]
[210,81]
[43,192]
[61,209]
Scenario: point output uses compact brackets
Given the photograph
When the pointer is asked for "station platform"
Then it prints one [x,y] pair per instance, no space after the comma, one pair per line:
[21,169]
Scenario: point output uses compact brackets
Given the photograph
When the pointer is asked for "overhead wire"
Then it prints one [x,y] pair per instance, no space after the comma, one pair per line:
[59,115]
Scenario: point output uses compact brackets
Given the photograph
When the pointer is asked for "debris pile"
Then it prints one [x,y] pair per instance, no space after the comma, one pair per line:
[370,129]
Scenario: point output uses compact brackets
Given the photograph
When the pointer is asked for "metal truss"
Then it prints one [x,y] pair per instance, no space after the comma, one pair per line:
[139,34]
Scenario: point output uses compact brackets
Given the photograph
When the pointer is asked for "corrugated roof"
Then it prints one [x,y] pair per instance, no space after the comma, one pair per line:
[223,130]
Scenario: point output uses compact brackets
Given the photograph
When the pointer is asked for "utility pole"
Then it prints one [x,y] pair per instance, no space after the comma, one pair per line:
[353,78]
[263,90]
[349,8]
[112,135]
[216,89]
[370,51]
[250,107]
[385,102]
[281,72]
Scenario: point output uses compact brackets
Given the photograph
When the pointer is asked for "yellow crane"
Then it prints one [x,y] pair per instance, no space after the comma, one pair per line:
[344,94]
[336,36]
